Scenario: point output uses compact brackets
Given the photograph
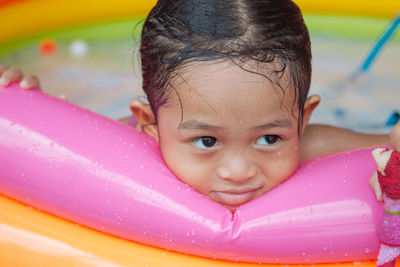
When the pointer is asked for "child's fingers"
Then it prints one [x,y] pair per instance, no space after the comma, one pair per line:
[3,69]
[29,82]
[9,76]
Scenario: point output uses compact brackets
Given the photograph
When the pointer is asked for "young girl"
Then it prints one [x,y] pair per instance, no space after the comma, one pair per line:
[227,83]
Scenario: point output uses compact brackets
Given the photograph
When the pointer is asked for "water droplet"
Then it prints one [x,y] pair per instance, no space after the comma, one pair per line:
[367,250]
[325,248]
[365,217]
[141,166]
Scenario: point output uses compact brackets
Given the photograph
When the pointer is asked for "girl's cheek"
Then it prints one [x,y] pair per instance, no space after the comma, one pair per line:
[282,166]
[188,171]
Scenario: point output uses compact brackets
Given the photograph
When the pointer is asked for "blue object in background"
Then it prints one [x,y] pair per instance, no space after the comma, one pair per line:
[380,43]
[393,119]
[340,113]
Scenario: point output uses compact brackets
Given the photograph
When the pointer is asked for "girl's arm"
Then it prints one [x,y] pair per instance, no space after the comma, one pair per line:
[319,139]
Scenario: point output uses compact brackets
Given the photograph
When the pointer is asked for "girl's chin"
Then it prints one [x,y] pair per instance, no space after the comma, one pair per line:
[234,200]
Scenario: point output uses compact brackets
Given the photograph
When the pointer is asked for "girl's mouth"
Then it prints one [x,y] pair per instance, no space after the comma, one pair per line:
[233,198]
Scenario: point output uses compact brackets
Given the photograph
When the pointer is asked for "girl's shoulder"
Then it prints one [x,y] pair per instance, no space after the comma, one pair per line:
[319,139]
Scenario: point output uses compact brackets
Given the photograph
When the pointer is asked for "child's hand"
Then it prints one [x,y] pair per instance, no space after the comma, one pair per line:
[9,75]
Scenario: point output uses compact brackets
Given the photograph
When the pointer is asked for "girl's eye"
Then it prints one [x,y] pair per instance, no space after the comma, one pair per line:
[267,140]
[205,142]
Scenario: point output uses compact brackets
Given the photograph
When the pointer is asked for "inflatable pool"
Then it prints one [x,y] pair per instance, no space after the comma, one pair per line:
[109,177]
[105,202]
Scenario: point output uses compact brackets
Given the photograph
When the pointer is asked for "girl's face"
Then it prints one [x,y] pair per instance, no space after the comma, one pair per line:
[230,134]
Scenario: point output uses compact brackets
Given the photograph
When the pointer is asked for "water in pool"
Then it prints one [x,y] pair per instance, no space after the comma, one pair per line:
[107,76]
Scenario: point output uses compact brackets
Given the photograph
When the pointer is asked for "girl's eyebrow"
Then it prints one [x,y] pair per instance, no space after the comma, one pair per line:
[197,125]
[278,123]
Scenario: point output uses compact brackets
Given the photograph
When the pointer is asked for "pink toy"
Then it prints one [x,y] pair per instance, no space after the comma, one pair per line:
[388,176]
[105,175]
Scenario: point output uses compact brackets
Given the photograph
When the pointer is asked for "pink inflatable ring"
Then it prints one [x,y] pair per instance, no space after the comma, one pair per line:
[100,173]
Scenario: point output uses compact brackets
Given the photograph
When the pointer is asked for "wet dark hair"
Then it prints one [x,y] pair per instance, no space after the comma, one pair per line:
[177,32]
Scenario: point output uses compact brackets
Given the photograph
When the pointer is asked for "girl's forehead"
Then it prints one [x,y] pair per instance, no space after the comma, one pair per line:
[225,81]
[227,91]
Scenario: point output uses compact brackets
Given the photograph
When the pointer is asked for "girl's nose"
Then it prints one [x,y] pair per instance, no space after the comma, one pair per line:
[237,169]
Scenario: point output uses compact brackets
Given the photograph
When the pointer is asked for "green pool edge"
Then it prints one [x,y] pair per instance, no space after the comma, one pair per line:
[94,32]
[348,27]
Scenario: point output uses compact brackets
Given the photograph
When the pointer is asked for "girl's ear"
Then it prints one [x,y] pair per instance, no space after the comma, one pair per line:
[311,103]
[146,120]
